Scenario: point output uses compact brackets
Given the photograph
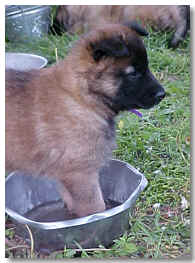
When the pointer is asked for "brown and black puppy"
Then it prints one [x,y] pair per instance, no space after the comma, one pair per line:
[60,120]
[79,19]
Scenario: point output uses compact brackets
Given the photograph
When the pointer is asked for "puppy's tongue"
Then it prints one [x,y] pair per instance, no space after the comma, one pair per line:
[136,112]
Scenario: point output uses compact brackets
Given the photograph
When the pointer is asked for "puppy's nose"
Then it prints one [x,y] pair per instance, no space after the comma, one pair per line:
[160,95]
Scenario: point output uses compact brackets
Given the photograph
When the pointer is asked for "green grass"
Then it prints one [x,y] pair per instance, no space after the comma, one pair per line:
[46,46]
[158,144]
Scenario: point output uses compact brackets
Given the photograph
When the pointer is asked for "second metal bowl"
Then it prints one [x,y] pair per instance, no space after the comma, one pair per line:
[24,61]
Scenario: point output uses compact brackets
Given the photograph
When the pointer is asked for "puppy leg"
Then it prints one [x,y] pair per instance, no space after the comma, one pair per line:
[182,26]
[82,194]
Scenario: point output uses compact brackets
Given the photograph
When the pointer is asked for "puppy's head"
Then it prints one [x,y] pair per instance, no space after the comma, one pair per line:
[114,61]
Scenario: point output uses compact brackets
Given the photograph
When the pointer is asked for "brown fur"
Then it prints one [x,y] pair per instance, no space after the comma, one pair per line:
[80,19]
[58,125]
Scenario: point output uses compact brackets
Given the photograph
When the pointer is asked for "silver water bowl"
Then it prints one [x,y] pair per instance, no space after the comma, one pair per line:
[35,201]
[24,61]
[24,23]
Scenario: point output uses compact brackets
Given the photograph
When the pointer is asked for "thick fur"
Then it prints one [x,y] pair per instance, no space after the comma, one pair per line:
[79,19]
[60,120]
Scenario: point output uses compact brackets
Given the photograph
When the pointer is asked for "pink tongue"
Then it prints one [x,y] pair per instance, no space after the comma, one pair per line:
[138,113]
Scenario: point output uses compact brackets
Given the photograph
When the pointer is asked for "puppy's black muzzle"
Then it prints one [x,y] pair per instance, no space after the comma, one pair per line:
[152,92]
[139,91]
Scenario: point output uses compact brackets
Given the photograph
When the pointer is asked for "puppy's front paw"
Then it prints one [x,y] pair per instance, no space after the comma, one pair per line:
[84,198]
[85,208]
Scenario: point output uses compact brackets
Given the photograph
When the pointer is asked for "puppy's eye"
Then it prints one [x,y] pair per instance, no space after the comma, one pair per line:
[130,71]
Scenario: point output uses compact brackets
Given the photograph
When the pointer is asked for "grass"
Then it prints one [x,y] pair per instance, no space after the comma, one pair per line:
[158,144]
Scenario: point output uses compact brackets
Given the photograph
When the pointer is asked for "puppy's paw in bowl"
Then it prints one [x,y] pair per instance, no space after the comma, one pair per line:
[82,196]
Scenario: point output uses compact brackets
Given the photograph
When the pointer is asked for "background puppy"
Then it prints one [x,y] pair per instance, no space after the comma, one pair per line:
[60,120]
[79,19]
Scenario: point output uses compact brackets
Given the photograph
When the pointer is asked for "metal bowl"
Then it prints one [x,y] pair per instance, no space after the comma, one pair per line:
[24,23]
[35,201]
[24,61]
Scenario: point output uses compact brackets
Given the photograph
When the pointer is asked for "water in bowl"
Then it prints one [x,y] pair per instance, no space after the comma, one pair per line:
[57,211]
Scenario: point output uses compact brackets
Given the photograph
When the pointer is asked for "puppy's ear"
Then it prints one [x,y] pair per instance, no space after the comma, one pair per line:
[111,47]
[137,28]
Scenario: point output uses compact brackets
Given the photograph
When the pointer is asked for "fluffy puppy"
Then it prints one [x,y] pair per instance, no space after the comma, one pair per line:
[60,120]
[79,19]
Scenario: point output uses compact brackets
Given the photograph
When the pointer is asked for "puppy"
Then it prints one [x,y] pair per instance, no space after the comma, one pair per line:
[60,120]
[79,19]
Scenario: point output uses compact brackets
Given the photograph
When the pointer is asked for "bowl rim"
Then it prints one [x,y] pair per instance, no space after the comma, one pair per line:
[43,59]
[82,220]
